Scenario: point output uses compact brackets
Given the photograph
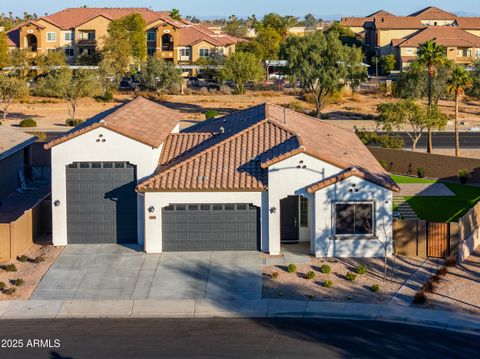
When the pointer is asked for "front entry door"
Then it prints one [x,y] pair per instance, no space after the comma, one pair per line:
[289,219]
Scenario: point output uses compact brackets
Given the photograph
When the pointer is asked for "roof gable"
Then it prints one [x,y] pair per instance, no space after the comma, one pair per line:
[433,13]
[443,35]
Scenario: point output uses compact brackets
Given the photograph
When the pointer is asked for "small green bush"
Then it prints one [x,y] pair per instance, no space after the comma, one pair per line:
[211,114]
[72,123]
[325,269]
[442,271]
[292,268]
[420,172]
[2,285]
[327,283]
[17,282]
[310,274]
[274,275]
[106,97]
[9,291]
[350,276]
[375,288]
[420,298]
[22,258]
[463,176]
[38,259]
[361,269]
[28,122]
[10,267]
[42,136]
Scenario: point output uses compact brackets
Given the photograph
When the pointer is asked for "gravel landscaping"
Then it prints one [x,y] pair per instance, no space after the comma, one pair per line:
[297,285]
[29,272]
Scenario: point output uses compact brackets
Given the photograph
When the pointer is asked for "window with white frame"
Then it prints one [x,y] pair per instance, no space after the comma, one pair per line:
[204,52]
[68,36]
[151,36]
[185,52]
[51,36]
[69,52]
[354,219]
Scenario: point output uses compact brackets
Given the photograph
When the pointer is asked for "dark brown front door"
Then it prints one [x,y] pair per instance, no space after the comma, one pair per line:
[289,219]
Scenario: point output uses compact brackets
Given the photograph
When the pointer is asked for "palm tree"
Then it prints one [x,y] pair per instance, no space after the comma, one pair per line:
[288,22]
[175,14]
[458,82]
[431,56]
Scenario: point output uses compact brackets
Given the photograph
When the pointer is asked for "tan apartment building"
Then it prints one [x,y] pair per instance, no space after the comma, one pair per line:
[401,35]
[80,31]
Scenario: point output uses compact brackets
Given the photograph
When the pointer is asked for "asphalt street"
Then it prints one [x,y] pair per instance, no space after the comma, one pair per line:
[445,140]
[229,338]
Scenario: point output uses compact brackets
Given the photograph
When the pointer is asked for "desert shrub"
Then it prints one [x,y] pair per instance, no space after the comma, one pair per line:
[203,91]
[187,91]
[327,283]
[42,136]
[2,285]
[380,140]
[28,122]
[274,275]
[350,276]
[211,114]
[72,123]
[38,259]
[361,269]
[10,291]
[310,274]
[419,298]
[292,268]
[22,258]
[420,172]
[325,269]
[225,90]
[450,261]
[17,282]
[442,271]
[9,267]
[428,286]
[296,106]
[106,97]
[375,288]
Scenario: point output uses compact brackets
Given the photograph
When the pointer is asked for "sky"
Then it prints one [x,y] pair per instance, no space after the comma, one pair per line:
[224,8]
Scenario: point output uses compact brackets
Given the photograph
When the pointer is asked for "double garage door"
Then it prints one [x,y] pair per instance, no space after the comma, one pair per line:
[101,202]
[210,227]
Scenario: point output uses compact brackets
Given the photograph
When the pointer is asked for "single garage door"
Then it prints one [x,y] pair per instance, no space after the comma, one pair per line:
[101,202]
[210,227]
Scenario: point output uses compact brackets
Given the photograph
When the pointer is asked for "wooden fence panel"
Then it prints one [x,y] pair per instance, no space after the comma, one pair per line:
[437,239]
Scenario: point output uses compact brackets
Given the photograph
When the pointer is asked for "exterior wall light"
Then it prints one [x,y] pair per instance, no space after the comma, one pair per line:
[56,203]
[151,209]
[273,210]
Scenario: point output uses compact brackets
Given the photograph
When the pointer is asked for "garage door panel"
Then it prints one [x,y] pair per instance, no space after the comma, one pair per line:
[203,226]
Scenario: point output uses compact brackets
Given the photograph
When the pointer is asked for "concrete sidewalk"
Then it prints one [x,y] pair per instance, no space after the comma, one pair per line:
[204,308]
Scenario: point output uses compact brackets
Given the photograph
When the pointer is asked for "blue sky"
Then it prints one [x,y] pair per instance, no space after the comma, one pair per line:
[205,8]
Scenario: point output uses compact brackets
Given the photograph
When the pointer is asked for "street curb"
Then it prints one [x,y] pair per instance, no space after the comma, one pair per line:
[255,308]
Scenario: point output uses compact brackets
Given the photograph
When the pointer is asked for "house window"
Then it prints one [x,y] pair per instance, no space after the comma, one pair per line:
[151,36]
[68,36]
[185,52]
[69,52]
[204,52]
[151,51]
[354,219]
[409,51]
[51,36]
[303,212]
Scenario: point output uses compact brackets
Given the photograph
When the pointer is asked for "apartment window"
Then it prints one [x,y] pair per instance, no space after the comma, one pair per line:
[409,51]
[68,36]
[151,51]
[354,219]
[303,212]
[185,52]
[478,54]
[91,36]
[51,36]
[69,52]
[204,52]
[151,36]
[464,53]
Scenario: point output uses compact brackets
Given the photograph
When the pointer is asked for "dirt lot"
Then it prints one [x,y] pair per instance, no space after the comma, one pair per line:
[297,286]
[31,273]
[346,112]
[459,290]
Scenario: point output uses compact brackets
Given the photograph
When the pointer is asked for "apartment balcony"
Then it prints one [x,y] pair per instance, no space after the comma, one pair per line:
[167,54]
[87,43]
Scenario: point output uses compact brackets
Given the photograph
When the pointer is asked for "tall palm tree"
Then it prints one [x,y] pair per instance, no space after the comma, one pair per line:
[459,80]
[431,55]
[175,14]
[288,22]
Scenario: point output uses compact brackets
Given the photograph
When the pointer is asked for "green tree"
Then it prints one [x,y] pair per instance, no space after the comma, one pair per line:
[175,14]
[241,67]
[267,44]
[11,88]
[436,119]
[403,115]
[53,83]
[310,22]
[157,74]
[3,49]
[431,55]
[133,27]
[356,70]
[345,34]
[457,83]
[318,61]
[388,63]
[474,90]
[50,59]
[235,27]
[21,62]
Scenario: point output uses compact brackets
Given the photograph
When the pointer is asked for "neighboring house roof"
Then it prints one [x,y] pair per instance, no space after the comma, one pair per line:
[140,119]
[469,23]
[353,21]
[397,22]
[380,13]
[443,35]
[12,141]
[189,35]
[433,13]
[242,146]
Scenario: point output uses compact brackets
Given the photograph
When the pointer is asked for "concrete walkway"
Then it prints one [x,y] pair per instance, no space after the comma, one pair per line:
[203,308]
[424,189]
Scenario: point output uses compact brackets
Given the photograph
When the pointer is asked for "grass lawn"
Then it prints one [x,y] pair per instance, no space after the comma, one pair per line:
[442,209]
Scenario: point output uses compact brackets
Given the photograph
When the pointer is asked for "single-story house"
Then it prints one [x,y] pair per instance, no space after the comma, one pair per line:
[246,181]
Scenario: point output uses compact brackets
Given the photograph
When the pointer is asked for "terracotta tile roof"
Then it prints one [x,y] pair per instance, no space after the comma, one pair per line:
[470,23]
[140,119]
[397,22]
[349,172]
[380,13]
[191,34]
[433,13]
[353,21]
[242,146]
[443,35]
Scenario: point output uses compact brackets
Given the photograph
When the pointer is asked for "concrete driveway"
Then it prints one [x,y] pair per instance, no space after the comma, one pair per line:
[104,271]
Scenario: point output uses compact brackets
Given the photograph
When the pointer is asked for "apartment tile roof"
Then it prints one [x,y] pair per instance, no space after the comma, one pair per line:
[469,23]
[243,145]
[13,140]
[191,34]
[380,13]
[443,35]
[398,22]
[353,21]
[140,119]
[433,13]
[10,42]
